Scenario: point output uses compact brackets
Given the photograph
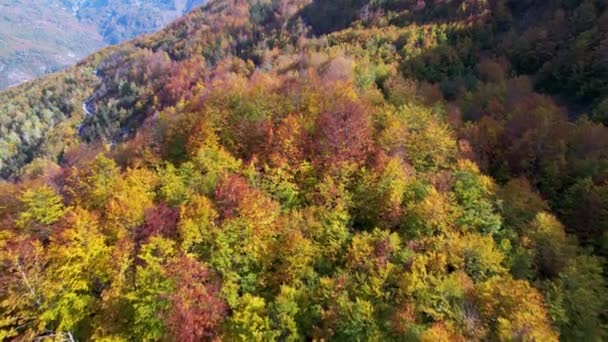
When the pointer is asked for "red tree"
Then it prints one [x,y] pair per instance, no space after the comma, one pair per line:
[229,194]
[342,135]
[183,78]
[197,310]
[235,197]
[160,220]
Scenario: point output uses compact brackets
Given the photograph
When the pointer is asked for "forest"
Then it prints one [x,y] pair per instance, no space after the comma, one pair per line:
[309,170]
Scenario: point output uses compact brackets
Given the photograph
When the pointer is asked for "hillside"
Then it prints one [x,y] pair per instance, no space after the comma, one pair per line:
[43,36]
[316,170]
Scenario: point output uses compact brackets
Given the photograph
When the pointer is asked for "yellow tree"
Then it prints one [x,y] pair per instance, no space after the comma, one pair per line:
[513,310]
[133,194]
[76,272]
[41,208]
[23,261]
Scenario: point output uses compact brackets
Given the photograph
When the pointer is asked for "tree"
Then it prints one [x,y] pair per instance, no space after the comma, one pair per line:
[236,198]
[250,321]
[512,309]
[475,195]
[550,244]
[214,163]
[41,208]
[477,255]
[374,258]
[577,299]
[378,197]
[326,223]
[520,203]
[197,311]
[160,220]
[342,136]
[178,185]
[341,317]
[291,256]
[286,310]
[441,331]
[287,144]
[584,210]
[22,274]
[149,297]
[432,215]
[430,144]
[197,222]
[92,184]
[77,258]
[126,208]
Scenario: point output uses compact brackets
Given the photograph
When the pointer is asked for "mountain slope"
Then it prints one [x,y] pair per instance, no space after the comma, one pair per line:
[117,21]
[38,37]
[313,170]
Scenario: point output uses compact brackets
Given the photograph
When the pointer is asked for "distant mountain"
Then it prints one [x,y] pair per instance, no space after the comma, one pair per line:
[42,36]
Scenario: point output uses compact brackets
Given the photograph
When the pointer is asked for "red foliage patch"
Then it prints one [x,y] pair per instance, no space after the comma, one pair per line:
[160,220]
[183,78]
[235,197]
[229,193]
[342,135]
[197,310]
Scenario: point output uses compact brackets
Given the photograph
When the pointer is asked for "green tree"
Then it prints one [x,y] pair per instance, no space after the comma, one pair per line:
[149,296]
[577,300]
[250,321]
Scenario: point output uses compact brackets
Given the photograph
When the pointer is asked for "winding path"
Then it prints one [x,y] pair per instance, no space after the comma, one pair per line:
[87,105]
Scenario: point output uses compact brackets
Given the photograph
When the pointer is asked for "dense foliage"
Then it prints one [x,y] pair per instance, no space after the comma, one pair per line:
[313,170]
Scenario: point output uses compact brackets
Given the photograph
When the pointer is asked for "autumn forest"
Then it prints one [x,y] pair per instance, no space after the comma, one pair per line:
[309,170]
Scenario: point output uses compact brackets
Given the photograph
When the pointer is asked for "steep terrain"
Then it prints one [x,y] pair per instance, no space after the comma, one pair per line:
[43,36]
[316,170]
[38,37]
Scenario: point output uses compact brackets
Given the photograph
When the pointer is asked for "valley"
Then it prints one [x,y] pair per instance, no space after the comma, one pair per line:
[44,36]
